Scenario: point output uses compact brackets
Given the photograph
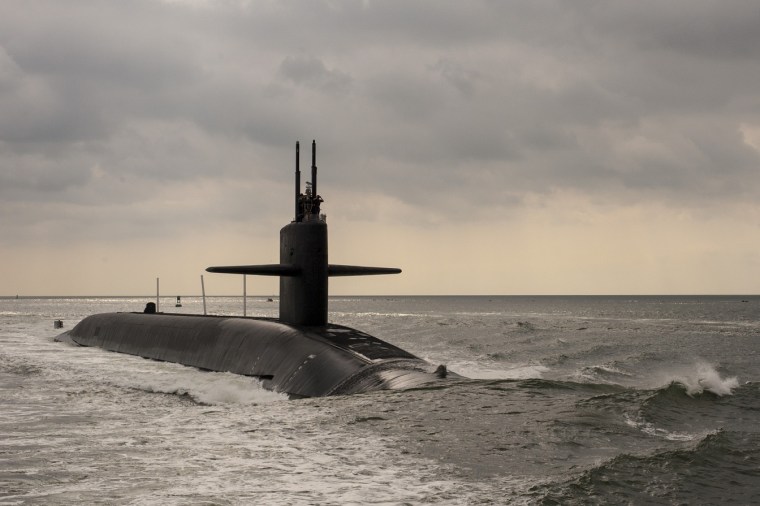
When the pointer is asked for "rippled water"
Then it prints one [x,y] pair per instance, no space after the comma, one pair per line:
[574,400]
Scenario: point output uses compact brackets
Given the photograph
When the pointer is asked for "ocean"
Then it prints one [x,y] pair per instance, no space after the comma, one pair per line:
[568,400]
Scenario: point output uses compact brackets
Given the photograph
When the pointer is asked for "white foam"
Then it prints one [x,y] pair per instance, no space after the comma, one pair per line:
[476,370]
[704,377]
[204,387]
[611,370]
[97,366]
[649,428]
[597,373]
[141,449]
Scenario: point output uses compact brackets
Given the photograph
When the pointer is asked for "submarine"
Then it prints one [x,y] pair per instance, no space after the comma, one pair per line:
[300,353]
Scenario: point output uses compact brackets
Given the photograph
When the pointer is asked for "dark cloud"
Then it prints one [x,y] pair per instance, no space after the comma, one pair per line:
[309,71]
[710,30]
[473,103]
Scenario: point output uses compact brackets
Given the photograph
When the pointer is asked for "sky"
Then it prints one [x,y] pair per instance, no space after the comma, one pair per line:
[484,147]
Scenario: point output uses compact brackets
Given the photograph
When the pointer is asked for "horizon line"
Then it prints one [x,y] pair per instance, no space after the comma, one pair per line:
[153,296]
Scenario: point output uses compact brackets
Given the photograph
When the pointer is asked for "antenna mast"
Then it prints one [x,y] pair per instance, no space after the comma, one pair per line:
[314,168]
[298,177]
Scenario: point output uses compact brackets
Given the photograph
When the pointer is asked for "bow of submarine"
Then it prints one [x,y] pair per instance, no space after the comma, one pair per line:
[299,361]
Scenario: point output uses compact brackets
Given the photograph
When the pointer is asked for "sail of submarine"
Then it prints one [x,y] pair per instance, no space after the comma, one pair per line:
[299,353]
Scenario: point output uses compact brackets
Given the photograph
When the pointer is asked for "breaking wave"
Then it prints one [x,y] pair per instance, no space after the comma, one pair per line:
[705,378]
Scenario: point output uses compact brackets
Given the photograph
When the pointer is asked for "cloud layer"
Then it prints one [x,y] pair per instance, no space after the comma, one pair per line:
[148,122]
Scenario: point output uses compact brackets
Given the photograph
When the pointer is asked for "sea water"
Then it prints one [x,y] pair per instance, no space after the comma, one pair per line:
[569,400]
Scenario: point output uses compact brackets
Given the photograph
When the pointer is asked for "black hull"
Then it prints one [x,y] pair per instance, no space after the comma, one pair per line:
[298,361]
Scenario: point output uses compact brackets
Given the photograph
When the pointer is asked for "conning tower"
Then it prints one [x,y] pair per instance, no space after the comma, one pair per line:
[303,267]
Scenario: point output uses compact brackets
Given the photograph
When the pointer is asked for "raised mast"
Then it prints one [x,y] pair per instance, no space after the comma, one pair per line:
[303,267]
[298,180]
[314,169]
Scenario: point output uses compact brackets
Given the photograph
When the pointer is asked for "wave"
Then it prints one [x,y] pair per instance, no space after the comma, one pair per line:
[692,380]
[677,395]
[691,405]
[207,388]
[705,377]
[721,466]
[673,412]
[479,371]
[595,388]
[681,390]
[652,430]
[17,367]
[603,374]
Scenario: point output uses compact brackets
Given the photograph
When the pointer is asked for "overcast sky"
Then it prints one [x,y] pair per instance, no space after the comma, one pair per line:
[485,147]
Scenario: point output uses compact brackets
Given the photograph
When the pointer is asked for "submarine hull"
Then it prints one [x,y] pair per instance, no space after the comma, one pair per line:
[299,354]
[300,361]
